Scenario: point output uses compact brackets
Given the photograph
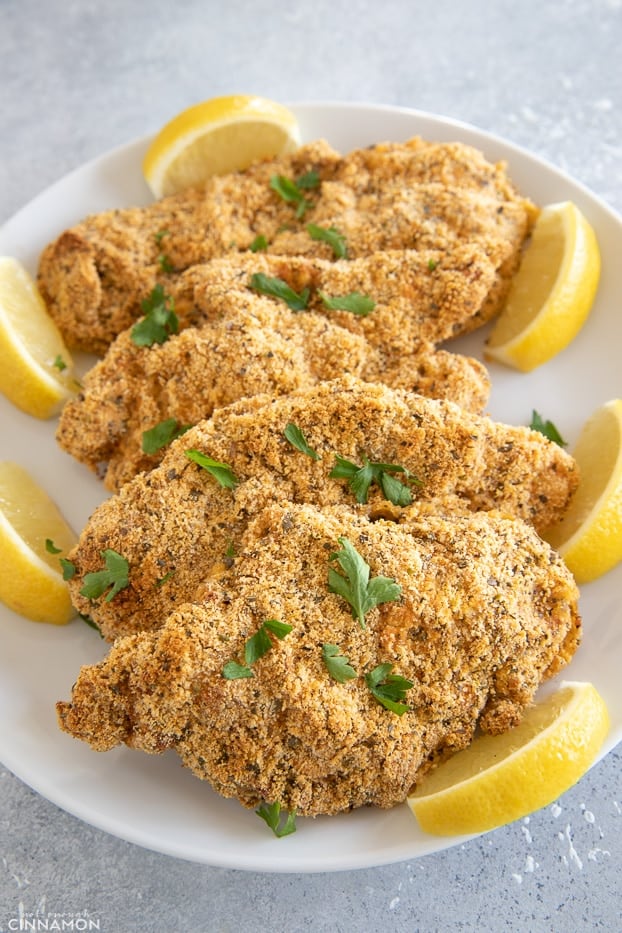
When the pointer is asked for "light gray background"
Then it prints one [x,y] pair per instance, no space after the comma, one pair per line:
[77,78]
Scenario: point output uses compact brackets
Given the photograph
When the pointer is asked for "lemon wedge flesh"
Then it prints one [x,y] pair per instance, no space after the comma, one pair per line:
[31,581]
[36,369]
[502,778]
[223,134]
[552,293]
[589,537]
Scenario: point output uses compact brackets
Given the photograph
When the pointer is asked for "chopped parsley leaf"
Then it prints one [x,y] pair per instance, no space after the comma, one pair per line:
[234,671]
[355,585]
[277,288]
[389,689]
[162,434]
[220,471]
[51,547]
[68,567]
[165,263]
[271,814]
[259,243]
[59,363]
[292,192]
[330,235]
[297,439]
[337,664]
[159,322]
[354,302]
[114,578]
[547,428]
[361,478]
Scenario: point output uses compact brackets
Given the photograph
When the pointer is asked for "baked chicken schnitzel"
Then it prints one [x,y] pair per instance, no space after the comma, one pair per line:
[175,523]
[411,196]
[481,611]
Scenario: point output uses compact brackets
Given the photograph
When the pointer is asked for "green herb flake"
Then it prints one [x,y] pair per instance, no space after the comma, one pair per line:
[355,585]
[297,439]
[354,302]
[160,235]
[68,567]
[259,244]
[277,288]
[50,547]
[432,264]
[114,578]
[234,671]
[360,478]
[337,664]
[547,428]
[160,321]
[309,181]
[330,235]
[162,434]
[165,263]
[292,192]
[59,363]
[220,471]
[271,814]
[389,689]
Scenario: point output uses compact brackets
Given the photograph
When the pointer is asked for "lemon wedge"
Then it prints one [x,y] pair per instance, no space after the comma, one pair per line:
[551,294]
[502,778]
[31,581]
[589,537]
[223,134]
[36,369]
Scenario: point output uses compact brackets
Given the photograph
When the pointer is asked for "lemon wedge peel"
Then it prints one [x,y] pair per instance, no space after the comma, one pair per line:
[30,346]
[31,582]
[552,293]
[219,135]
[589,537]
[502,778]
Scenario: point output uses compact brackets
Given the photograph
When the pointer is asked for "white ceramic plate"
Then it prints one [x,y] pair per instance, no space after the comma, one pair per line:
[152,801]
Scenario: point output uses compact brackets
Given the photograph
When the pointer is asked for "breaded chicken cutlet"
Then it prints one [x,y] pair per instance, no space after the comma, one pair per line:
[175,523]
[484,612]
[244,343]
[411,196]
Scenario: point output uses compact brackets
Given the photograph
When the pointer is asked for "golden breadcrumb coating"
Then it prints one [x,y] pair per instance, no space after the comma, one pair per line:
[487,611]
[411,196]
[175,522]
[244,343]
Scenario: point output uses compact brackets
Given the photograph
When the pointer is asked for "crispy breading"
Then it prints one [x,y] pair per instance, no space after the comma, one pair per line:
[244,344]
[415,195]
[175,523]
[486,612]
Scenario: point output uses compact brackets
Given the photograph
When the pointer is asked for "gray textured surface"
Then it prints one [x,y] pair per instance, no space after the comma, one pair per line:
[77,78]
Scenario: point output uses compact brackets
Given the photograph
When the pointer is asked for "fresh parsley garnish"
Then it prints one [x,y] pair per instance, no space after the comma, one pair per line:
[68,567]
[337,664]
[330,235]
[354,302]
[165,263]
[234,671]
[162,434]
[360,479]
[309,181]
[159,235]
[292,192]
[259,243]
[221,472]
[389,689]
[355,585]
[297,439]
[277,288]
[271,814]
[59,363]
[114,578]
[255,647]
[432,264]
[160,321]
[547,428]
[51,547]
